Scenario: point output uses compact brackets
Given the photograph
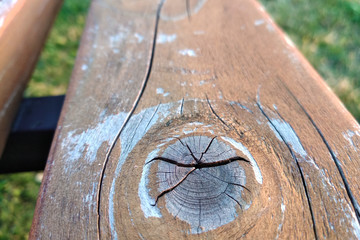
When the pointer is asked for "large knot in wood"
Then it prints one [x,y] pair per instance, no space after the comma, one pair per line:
[185,171]
[202,180]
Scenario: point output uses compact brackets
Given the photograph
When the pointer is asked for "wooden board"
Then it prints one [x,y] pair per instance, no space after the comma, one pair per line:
[135,157]
[23,29]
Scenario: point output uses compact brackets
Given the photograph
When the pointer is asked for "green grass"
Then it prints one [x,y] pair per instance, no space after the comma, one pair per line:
[327,32]
[18,194]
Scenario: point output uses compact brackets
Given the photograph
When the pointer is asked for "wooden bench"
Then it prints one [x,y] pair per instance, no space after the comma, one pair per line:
[197,120]
[23,29]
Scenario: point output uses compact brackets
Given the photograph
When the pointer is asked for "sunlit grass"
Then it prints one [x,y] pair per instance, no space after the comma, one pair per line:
[18,194]
[328,34]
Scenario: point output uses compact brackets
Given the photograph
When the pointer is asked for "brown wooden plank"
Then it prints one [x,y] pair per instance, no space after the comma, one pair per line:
[224,70]
[23,29]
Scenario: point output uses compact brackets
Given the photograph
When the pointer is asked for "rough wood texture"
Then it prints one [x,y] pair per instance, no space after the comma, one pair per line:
[133,157]
[23,29]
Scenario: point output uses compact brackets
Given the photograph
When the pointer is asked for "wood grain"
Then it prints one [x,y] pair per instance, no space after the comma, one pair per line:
[140,115]
[23,29]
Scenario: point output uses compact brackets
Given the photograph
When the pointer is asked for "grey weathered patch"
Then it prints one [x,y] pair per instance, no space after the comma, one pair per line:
[208,197]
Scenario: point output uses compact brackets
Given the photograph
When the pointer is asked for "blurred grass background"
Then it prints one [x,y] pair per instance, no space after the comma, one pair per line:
[326,32]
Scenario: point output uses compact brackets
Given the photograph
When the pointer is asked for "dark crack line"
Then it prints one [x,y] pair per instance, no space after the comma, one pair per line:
[137,100]
[188,9]
[173,187]
[224,181]
[152,116]
[213,111]
[296,160]
[222,121]
[354,203]
[233,199]
[199,165]
[204,152]
[182,106]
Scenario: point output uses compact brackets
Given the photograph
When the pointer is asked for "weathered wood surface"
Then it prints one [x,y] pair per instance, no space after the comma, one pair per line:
[23,29]
[225,71]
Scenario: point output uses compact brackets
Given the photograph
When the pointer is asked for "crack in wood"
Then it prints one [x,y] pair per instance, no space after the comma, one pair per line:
[152,116]
[213,111]
[353,201]
[240,134]
[201,163]
[188,9]
[136,102]
[296,160]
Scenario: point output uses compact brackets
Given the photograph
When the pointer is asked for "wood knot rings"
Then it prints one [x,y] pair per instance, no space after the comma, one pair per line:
[203,181]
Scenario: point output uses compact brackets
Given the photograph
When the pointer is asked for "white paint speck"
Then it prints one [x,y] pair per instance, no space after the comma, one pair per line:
[244,150]
[289,135]
[76,145]
[146,200]
[84,67]
[283,207]
[220,95]
[111,216]
[259,22]
[284,132]
[139,37]
[188,52]
[115,40]
[161,92]
[348,135]
[164,38]
[354,222]
[356,227]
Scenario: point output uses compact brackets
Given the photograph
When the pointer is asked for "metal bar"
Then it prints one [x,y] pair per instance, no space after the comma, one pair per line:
[29,142]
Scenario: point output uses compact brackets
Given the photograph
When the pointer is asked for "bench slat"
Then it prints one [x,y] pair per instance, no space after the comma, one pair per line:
[223,69]
[23,29]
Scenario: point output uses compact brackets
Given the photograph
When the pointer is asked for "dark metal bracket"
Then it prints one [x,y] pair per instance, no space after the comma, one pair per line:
[29,142]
